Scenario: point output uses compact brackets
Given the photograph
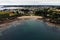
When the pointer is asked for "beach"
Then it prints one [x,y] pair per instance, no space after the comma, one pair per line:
[20,20]
[15,22]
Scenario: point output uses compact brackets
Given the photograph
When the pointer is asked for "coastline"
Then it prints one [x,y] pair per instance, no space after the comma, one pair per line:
[19,21]
[7,25]
[50,24]
[14,22]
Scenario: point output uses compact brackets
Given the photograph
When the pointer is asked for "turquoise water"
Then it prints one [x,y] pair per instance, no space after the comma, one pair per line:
[31,30]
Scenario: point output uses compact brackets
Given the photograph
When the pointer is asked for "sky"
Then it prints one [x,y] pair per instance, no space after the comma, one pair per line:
[29,2]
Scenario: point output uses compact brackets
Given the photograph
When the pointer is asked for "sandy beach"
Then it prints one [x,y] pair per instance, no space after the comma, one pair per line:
[30,17]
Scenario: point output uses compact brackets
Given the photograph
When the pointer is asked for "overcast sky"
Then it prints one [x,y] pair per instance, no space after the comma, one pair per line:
[29,2]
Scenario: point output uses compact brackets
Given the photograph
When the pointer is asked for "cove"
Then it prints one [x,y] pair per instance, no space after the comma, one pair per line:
[31,30]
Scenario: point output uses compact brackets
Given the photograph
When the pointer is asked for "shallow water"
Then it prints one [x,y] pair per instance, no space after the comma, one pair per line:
[31,30]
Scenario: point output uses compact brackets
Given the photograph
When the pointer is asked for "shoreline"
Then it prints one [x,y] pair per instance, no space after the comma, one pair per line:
[19,20]
[50,24]
[14,22]
[7,25]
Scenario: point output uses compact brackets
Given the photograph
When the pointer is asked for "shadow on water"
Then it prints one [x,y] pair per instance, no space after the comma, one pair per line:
[31,30]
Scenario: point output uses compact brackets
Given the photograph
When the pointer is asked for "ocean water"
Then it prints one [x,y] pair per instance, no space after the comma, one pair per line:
[31,30]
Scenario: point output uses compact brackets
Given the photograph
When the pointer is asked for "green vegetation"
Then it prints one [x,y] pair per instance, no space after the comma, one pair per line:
[8,15]
[26,12]
[52,14]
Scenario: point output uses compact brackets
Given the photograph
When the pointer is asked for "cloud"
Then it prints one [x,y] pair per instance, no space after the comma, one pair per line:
[29,2]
